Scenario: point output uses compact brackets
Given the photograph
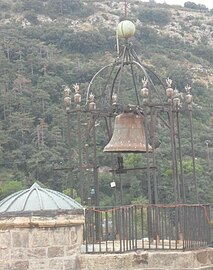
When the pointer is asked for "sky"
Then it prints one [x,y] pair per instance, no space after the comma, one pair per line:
[207,3]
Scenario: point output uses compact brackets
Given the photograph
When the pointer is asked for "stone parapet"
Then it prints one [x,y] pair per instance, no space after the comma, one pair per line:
[150,260]
[41,221]
[40,243]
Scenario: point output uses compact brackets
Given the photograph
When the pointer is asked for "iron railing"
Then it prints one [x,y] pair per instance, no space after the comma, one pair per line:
[141,227]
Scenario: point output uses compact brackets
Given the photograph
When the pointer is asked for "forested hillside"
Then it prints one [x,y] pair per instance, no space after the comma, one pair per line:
[47,44]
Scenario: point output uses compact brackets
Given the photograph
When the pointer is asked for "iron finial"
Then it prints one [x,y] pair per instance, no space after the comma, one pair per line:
[169,82]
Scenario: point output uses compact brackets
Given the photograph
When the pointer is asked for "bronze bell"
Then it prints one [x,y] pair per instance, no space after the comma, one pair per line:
[128,135]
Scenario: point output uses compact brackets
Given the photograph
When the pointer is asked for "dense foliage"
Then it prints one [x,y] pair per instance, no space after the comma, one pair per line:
[39,55]
[192,5]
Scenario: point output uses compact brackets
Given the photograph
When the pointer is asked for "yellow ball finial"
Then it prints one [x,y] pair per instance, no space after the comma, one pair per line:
[125,29]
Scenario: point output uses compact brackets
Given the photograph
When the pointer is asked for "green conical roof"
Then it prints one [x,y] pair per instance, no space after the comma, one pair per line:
[37,199]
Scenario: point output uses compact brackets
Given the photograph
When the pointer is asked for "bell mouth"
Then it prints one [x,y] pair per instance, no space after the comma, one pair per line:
[124,149]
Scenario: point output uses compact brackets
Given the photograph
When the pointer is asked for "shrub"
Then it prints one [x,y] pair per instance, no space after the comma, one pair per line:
[29,5]
[86,41]
[203,52]
[147,35]
[154,16]
[77,8]
[4,6]
[31,17]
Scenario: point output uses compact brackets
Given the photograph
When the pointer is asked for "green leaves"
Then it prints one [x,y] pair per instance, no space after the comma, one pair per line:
[10,187]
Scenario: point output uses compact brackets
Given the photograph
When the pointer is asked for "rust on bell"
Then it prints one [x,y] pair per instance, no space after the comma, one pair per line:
[128,135]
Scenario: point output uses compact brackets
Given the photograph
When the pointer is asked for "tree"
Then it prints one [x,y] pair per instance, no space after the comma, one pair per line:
[10,187]
[192,5]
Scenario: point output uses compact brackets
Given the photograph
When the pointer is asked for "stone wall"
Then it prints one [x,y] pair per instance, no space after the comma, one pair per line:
[150,260]
[54,243]
[40,243]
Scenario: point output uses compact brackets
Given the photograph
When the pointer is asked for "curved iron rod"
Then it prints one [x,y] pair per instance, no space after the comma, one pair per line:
[132,55]
[113,84]
[110,75]
[155,75]
[93,78]
[121,68]
[133,79]
[126,63]
[148,77]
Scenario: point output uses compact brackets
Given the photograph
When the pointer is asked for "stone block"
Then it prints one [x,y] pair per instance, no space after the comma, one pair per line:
[171,260]
[20,239]
[202,257]
[61,236]
[108,261]
[186,260]
[5,239]
[69,265]
[71,250]
[73,236]
[18,254]
[210,255]
[37,253]
[56,264]
[41,237]
[53,252]
[40,264]
[4,265]
[79,232]
[4,253]
[141,259]
[72,264]
[19,265]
